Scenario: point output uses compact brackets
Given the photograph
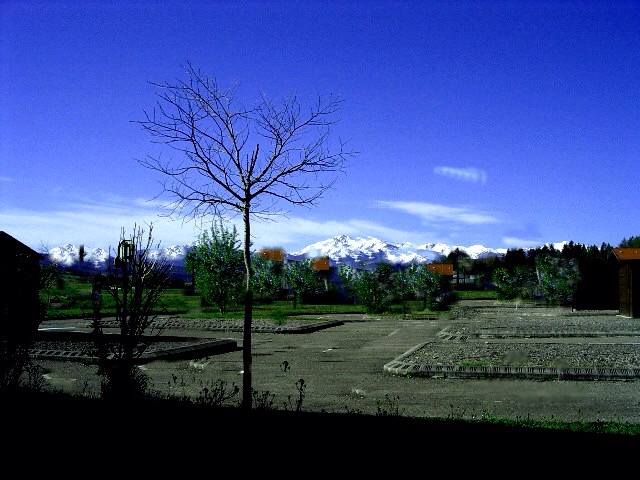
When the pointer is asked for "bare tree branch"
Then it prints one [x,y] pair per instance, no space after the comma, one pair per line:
[246,161]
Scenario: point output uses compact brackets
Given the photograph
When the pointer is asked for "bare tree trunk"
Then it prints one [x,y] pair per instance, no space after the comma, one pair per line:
[248,313]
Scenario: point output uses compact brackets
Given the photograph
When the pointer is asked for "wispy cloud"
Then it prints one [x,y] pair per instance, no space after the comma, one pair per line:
[435,213]
[99,224]
[294,233]
[93,224]
[474,175]
[515,242]
[5,179]
[523,236]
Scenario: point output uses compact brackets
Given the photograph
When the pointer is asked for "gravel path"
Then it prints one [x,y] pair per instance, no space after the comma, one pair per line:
[534,336]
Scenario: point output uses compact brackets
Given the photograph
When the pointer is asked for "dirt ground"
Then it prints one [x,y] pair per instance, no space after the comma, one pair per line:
[340,370]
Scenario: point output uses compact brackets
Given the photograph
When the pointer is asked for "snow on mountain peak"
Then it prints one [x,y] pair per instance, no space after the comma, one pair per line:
[69,254]
[363,251]
[341,249]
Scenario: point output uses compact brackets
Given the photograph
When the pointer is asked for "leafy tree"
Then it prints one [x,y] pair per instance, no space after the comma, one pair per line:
[373,288]
[49,278]
[425,283]
[633,241]
[557,278]
[401,287]
[518,283]
[461,263]
[136,284]
[218,266]
[241,159]
[483,270]
[348,276]
[515,257]
[267,276]
[191,265]
[302,279]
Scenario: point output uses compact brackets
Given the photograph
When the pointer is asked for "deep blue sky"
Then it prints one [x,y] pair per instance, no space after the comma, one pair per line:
[507,124]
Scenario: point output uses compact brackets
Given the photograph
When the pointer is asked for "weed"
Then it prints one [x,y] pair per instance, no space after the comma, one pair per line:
[35,380]
[262,400]
[390,408]
[217,394]
[301,386]
[355,411]
[456,415]
[278,316]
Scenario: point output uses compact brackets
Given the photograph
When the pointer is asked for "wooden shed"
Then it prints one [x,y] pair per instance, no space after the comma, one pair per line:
[628,281]
[19,287]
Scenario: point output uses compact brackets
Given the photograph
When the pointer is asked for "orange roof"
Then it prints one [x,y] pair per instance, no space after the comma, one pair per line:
[627,253]
[276,254]
[320,263]
[441,268]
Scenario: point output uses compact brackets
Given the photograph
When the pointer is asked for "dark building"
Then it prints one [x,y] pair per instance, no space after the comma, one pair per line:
[629,281]
[19,287]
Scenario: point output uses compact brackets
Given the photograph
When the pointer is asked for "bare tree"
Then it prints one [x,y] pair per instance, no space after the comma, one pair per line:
[241,160]
[136,284]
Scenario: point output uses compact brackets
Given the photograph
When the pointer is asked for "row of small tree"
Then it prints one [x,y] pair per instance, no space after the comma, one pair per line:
[216,264]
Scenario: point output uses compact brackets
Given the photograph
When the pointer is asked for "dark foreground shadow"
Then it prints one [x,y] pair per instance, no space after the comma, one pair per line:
[163,432]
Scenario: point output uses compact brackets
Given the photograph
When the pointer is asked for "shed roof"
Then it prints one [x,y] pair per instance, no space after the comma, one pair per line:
[627,253]
[441,268]
[7,240]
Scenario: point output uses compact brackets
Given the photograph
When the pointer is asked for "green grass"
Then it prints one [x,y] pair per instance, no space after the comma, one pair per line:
[72,297]
[476,294]
[620,428]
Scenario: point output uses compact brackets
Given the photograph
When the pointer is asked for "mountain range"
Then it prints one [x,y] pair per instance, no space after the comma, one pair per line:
[340,249]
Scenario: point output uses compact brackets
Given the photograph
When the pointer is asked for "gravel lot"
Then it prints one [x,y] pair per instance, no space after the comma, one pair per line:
[343,365]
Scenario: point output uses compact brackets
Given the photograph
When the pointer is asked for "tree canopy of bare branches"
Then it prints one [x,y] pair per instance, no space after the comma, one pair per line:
[245,160]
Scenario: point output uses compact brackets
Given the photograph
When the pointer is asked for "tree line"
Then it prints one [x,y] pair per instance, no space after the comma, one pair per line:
[576,275]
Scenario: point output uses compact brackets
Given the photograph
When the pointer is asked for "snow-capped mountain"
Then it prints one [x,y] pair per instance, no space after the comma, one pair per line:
[69,255]
[341,249]
[369,251]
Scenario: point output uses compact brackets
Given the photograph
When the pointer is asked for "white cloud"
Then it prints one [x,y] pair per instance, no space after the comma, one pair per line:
[435,213]
[94,225]
[294,233]
[474,175]
[6,179]
[515,242]
[99,224]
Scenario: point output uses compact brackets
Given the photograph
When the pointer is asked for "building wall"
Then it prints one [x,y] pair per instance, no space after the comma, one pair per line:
[629,289]
[19,287]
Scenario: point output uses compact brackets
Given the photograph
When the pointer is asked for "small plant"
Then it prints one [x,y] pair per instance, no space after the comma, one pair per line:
[262,400]
[35,380]
[456,415]
[355,411]
[301,386]
[217,395]
[390,408]
[278,316]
